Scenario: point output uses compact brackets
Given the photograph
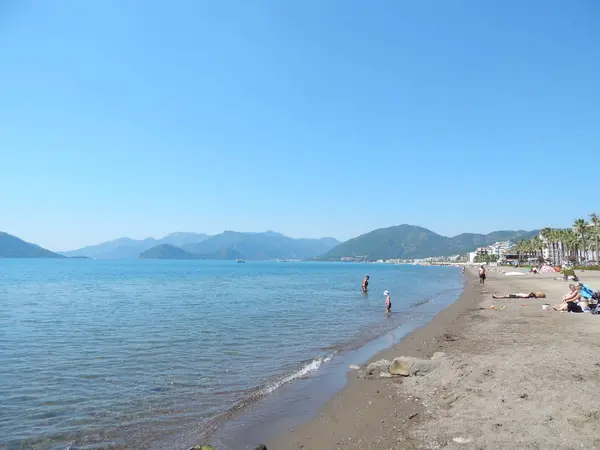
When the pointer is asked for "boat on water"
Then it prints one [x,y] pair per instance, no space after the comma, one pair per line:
[282,260]
[239,261]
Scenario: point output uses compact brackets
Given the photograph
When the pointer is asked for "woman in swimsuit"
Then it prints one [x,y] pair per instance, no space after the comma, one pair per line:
[365,285]
[570,301]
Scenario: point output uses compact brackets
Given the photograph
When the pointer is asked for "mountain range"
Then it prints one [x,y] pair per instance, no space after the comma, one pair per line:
[263,246]
[167,251]
[399,242]
[412,242]
[226,245]
[127,248]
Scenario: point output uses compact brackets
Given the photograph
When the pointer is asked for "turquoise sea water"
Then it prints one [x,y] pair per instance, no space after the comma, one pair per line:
[115,354]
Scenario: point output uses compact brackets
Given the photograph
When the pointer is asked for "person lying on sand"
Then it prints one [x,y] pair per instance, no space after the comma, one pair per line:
[570,301]
[522,295]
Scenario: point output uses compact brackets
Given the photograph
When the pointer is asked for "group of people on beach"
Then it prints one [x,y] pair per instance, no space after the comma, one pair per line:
[386,294]
[580,298]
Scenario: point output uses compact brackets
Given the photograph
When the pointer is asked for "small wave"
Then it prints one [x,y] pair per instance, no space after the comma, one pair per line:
[422,302]
[312,366]
[212,424]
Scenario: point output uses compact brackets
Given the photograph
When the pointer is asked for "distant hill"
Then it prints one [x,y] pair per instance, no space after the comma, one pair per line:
[126,248]
[167,251]
[262,246]
[181,238]
[409,242]
[223,254]
[13,247]
[267,245]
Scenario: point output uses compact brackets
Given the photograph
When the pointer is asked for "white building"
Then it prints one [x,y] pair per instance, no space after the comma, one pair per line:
[497,249]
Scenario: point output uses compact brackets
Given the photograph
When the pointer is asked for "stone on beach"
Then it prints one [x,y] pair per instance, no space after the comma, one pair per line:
[378,369]
[407,365]
[403,366]
[438,355]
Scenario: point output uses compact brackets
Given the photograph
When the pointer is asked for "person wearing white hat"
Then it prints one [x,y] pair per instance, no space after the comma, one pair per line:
[388,301]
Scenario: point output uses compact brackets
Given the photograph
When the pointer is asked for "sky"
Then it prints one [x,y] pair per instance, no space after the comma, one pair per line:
[312,118]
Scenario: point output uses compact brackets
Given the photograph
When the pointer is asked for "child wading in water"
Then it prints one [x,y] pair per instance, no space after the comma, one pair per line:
[388,302]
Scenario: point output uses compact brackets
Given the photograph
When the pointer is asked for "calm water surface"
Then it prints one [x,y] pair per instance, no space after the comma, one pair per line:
[113,354]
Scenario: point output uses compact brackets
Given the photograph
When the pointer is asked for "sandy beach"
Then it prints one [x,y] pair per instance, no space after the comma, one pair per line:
[512,377]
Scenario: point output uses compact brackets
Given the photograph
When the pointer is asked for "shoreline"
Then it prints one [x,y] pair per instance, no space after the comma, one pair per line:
[421,342]
[513,376]
[297,402]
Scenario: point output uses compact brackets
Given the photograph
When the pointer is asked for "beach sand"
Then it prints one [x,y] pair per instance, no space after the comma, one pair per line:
[512,378]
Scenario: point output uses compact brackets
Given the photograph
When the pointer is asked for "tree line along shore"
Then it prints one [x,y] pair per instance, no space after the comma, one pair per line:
[577,245]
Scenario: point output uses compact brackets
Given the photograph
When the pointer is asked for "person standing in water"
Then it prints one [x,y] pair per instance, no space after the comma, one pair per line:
[388,302]
[365,285]
[482,275]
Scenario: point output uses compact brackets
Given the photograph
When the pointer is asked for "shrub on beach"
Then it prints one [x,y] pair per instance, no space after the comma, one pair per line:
[587,267]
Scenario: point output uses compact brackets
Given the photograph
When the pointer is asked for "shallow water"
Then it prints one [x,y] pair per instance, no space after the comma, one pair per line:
[109,354]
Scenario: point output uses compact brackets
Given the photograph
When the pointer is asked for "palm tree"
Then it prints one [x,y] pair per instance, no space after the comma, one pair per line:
[537,245]
[547,236]
[558,238]
[580,227]
[571,243]
[596,224]
[519,247]
[554,237]
[567,241]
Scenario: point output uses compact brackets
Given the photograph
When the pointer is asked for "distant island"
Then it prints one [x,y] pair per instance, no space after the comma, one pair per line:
[227,245]
[167,251]
[127,248]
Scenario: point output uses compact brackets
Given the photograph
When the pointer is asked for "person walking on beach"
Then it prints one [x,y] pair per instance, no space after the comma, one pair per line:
[481,275]
[365,285]
[388,302]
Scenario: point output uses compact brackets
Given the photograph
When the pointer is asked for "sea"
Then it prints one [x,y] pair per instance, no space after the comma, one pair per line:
[157,354]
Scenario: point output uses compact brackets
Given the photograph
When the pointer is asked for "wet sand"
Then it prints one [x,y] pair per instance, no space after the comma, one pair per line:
[517,377]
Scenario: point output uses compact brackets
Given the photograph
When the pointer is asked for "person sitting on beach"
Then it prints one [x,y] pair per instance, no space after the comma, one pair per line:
[570,301]
[388,302]
[522,295]
[365,285]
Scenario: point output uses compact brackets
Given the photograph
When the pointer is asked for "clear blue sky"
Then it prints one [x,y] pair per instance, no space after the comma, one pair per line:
[309,117]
